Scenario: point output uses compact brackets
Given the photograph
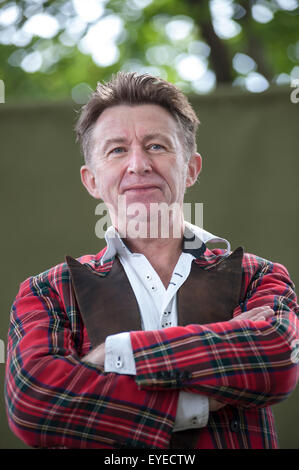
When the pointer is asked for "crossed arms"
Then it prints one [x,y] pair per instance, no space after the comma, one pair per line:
[97,355]
[56,399]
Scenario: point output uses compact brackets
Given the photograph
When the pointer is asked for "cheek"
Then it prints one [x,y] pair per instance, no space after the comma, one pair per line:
[177,175]
[107,178]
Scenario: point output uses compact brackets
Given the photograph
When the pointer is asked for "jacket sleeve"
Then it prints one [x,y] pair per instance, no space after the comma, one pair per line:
[240,362]
[54,399]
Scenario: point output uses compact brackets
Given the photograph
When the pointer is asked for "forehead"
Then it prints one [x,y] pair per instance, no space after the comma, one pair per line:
[143,118]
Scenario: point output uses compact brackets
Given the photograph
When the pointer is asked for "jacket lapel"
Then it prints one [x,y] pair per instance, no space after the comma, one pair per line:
[106,300]
[108,305]
[211,291]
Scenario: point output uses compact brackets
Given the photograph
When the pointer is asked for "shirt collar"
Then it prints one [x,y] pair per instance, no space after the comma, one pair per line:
[194,242]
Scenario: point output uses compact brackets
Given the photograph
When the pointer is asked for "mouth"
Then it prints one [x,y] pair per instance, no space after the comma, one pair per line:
[141,189]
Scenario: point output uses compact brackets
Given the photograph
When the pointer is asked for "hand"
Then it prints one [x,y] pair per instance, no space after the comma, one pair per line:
[256,314]
[96,356]
[215,405]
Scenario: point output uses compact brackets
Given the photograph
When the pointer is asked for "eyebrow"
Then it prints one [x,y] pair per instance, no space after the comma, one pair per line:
[158,135]
[113,140]
[123,140]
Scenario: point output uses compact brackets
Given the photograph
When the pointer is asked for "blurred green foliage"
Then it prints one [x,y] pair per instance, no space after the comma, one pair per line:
[273,42]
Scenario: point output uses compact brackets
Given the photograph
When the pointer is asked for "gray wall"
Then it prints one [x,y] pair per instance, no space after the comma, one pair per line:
[249,188]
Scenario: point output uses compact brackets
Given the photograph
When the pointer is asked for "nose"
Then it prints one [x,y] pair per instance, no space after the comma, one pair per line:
[139,162]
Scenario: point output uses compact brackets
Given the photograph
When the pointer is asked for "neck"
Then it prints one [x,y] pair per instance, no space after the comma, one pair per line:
[154,246]
[163,253]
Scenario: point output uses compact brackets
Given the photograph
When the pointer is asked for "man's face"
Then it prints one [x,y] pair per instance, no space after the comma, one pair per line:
[138,153]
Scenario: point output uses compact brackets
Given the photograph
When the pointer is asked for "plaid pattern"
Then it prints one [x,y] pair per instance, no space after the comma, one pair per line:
[55,400]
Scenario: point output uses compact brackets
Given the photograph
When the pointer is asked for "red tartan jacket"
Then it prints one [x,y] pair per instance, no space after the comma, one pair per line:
[55,400]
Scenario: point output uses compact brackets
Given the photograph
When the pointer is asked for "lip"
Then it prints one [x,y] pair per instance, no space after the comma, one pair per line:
[140,188]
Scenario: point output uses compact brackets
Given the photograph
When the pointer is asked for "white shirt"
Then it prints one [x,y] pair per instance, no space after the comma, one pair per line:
[158,309]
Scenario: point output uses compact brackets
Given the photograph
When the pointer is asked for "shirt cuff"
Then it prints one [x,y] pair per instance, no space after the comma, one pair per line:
[119,354]
[192,411]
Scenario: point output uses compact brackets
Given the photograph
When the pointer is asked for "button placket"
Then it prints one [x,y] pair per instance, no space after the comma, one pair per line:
[119,362]
[166,319]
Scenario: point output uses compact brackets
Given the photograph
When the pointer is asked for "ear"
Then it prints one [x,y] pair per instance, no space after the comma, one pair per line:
[194,168]
[89,181]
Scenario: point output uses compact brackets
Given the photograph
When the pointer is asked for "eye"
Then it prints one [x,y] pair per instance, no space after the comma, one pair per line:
[157,147]
[117,151]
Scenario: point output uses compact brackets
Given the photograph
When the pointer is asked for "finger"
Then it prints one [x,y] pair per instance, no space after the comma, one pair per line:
[215,405]
[262,317]
[269,312]
[256,314]
[259,309]
[264,311]
[252,313]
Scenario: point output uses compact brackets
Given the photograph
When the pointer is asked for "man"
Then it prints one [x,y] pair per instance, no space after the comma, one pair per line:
[156,341]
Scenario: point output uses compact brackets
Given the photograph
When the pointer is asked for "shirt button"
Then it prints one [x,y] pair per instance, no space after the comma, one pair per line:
[119,362]
[148,277]
[194,420]
[234,425]
[153,288]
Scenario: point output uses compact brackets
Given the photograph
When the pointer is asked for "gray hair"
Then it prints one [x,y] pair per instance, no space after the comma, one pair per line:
[134,89]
